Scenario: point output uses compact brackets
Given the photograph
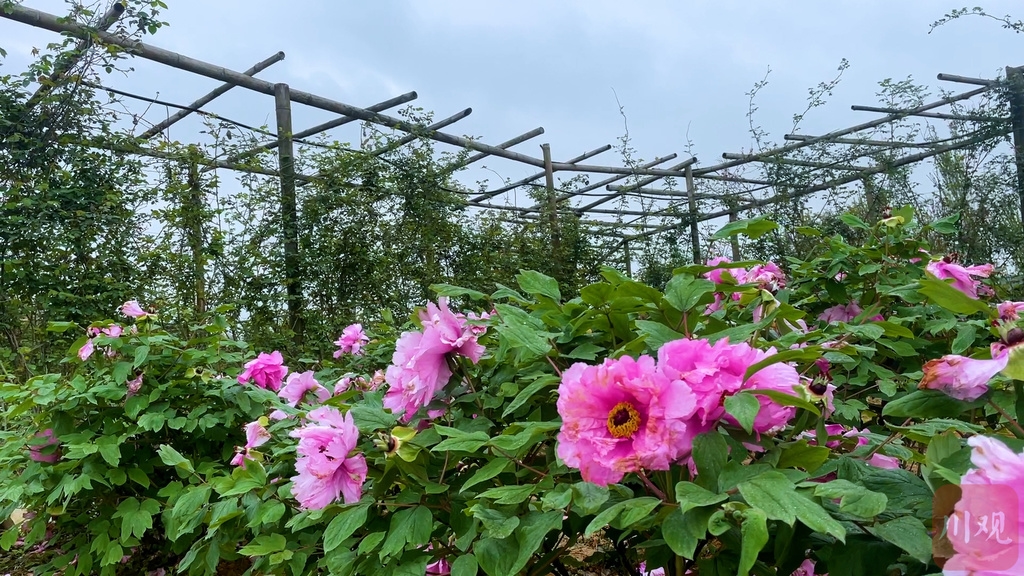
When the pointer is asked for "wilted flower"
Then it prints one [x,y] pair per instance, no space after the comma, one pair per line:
[622,416]
[86,350]
[846,313]
[38,448]
[806,568]
[962,276]
[326,471]
[961,377]
[351,341]
[256,435]
[132,309]
[134,385]
[267,371]
[298,385]
[1010,311]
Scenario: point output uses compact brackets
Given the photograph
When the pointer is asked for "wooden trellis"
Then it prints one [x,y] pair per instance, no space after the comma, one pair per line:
[680,206]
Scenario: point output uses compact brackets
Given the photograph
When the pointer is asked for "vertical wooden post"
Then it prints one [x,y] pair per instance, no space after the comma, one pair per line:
[629,258]
[870,199]
[549,182]
[735,240]
[1015,79]
[289,211]
[692,202]
[195,211]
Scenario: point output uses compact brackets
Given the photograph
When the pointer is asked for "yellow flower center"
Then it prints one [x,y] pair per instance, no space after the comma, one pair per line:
[623,420]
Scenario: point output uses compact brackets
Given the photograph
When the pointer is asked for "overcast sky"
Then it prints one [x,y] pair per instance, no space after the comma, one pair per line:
[676,67]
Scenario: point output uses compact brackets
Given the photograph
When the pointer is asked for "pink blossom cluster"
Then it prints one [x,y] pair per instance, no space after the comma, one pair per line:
[87,349]
[847,313]
[299,387]
[995,547]
[767,276]
[419,367]
[629,415]
[841,432]
[351,341]
[266,371]
[256,435]
[964,277]
[326,469]
[38,449]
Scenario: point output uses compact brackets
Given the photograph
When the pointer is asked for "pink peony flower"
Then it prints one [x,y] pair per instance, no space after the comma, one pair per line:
[86,350]
[479,328]
[767,276]
[1010,311]
[654,571]
[267,371]
[351,341]
[846,313]
[325,470]
[134,386]
[962,276]
[806,568]
[278,415]
[995,548]
[961,377]
[376,381]
[298,385]
[622,416]
[38,448]
[714,372]
[419,367]
[439,568]
[255,436]
[132,309]
[113,331]
[718,277]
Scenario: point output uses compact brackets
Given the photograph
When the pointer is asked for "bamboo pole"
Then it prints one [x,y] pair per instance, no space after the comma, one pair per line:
[506,144]
[195,232]
[289,211]
[379,107]
[537,176]
[691,199]
[206,99]
[605,182]
[734,241]
[680,168]
[863,142]
[965,79]
[175,60]
[1015,79]
[845,131]
[549,182]
[64,65]
[939,115]
[792,162]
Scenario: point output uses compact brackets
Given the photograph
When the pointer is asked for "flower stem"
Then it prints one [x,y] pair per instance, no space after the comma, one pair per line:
[650,486]
[1015,426]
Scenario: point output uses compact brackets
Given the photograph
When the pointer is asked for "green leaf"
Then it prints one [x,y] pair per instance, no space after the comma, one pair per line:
[777,496]
[809,353]
[631,511]
[264,545]
[171,457]
[533,282]
[684,292]
[682,531]
[526,393]
[468,442]
[753,228]
[744,408]
[497,557]
[113,555]
[139,477]
[109,449]
[909,534]
[531,533]
[509,494]
[141,353]
[456,291]
[853,221]
[522,330]
[344,525]
[965,336]
[120,372]
[854,499]
[783,399]
[588,498]
[800,454]
[408,526]
[942,293]
[925,404]
[486,472]
[754,536]
[710,453]
[690,496]
[464,565]
[657,333]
